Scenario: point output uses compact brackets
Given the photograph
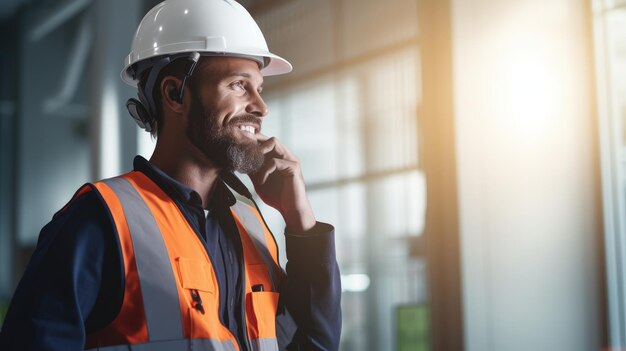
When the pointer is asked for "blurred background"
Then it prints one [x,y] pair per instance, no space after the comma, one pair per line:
[470,153]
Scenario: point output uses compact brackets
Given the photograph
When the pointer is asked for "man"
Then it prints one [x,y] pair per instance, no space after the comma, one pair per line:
[164,257]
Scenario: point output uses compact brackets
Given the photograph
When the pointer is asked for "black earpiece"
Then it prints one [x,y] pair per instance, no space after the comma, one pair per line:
[191,66]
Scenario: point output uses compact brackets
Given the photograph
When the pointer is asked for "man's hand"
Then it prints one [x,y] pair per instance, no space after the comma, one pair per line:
[280,184]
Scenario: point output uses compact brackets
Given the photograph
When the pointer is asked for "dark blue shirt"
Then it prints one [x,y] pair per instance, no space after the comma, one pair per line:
[73,284]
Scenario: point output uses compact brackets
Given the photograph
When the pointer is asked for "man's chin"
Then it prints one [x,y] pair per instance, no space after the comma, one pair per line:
[245,158]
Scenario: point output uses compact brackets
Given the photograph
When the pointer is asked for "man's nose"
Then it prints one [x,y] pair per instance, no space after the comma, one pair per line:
[257,106]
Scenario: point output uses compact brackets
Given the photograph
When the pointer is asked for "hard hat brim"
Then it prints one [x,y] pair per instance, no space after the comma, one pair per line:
[276,65]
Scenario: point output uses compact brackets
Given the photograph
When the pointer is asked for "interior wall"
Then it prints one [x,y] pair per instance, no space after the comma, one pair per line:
[52,145]
[89,135]
[527,174]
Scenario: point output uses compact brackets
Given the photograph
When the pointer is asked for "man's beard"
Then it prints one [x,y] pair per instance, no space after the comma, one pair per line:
[219,144]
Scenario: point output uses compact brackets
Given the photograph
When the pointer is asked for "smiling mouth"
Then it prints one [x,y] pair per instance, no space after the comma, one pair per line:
[248,129]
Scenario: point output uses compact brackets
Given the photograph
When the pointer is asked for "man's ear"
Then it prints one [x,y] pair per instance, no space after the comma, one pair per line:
[170,92]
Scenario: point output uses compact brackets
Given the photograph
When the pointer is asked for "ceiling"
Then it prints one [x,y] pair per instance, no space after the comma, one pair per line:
[8,7]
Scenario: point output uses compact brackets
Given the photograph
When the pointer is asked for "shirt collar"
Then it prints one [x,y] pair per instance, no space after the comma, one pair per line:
[222,197]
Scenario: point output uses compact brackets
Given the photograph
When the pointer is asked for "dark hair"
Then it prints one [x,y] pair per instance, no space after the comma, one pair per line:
[176,69]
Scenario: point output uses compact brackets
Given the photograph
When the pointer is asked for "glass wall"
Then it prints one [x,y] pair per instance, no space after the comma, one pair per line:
[349,112]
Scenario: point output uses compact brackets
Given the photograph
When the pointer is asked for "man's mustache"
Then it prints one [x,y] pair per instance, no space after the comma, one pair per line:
[247,119]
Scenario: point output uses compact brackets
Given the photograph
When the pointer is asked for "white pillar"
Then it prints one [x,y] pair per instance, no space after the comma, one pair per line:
[530,219]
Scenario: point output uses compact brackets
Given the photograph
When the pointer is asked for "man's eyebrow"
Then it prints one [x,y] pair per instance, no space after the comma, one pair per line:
[239,74]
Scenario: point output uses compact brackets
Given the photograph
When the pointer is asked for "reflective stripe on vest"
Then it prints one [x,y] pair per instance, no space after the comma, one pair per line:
[255,229]
[176,345]
[156,278]
[265,345]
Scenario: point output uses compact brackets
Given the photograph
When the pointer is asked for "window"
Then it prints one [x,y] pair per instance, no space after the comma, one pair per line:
[610,42]
[349,112]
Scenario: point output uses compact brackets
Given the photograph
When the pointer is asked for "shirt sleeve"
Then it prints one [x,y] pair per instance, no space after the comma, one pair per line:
[60,297]
[309,315]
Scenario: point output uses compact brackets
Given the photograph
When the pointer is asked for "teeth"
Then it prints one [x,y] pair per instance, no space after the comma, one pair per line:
[249,129]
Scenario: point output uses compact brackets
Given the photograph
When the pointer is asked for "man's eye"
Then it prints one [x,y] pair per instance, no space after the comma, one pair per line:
[238,85]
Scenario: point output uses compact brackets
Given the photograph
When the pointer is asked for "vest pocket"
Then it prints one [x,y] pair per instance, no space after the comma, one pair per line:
[195,279]
[263,306]
[195,275]
[198,288]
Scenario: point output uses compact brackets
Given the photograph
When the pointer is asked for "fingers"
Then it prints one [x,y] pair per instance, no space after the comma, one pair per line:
[271,146]
[271,165]
[261,137]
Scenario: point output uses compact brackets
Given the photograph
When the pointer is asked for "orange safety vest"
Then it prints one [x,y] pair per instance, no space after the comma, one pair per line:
[171,296]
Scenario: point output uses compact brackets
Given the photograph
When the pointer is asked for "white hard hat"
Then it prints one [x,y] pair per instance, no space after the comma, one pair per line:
[209,27]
